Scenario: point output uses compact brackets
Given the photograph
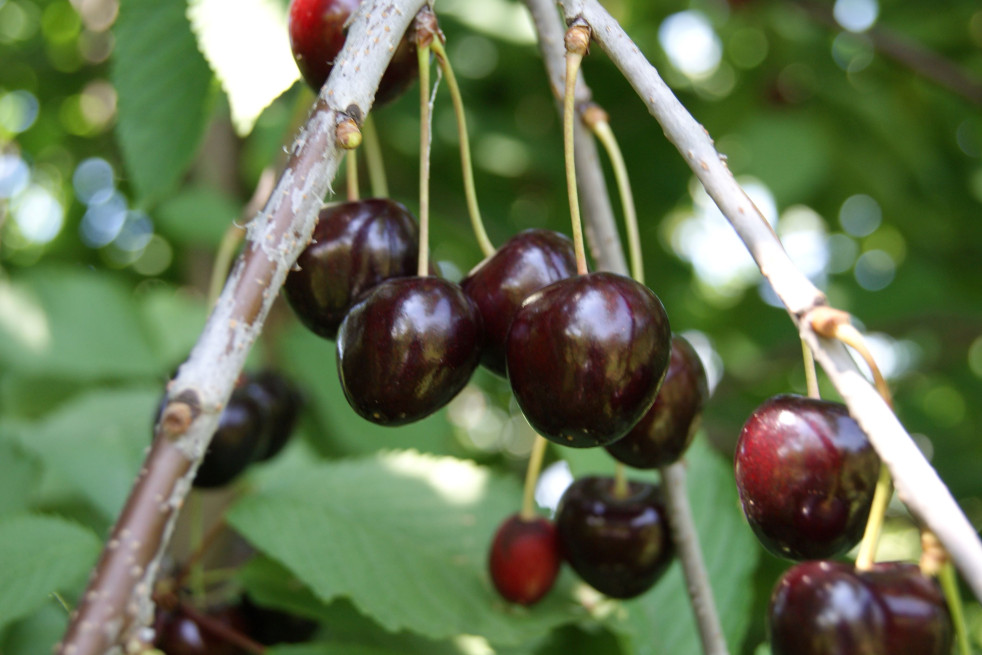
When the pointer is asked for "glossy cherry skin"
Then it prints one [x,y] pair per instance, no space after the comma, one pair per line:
[498,285]
[585,357]
[355,246]
[663,434]
[829,608]
[280,402]
[408,348]
[317,34]
[620,546]
[238,438]
[179,634]
[806,474]
[524,559]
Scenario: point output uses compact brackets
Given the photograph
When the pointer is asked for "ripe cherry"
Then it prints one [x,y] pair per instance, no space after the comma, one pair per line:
[355,246]
[585,357]
[239,436]
[525,263]
[806,474]
[830,608]
[408,348]
[664,433]
[317,34]
[524,559]
[618,544]
[179,634]
[280,403]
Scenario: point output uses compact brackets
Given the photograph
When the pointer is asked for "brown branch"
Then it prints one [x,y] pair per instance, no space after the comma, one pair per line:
[116,606]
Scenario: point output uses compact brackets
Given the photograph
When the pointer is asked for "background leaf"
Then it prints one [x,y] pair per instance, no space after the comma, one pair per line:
[163,84]
[40,555]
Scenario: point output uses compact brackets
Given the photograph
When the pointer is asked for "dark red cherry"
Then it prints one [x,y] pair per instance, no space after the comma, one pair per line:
[270,627]
[619,545]
[586,356]
[280,402]
[355,246]
[524,559]
[317,34]
[806,474]
[408,348]
[525,263]
[237,439]
[663,434]
[179,634]
[829,608]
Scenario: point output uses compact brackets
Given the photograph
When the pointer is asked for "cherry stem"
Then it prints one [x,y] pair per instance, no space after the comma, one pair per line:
[811,376]
[351,168]
[949,585]
[233,236]
[374,160]
[532,476]
[573,60]
[600,126]
[621,488]
[465,149]
[423,54]
[199,551]
[224,632]
[871,536]
[849,335]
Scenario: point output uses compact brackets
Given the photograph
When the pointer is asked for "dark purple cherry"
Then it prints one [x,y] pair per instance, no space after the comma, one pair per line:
[663,434]
[180,634]
[830,608]
[239,436]
[317,34]
[408,348]
[806,474]
[269,626]
[355,246]
[525,263]
[524,559]
[280,402]
[619,545]
[586,356]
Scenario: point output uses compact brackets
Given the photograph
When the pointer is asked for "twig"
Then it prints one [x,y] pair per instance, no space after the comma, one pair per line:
[117,605]
[918,485]
[610,256]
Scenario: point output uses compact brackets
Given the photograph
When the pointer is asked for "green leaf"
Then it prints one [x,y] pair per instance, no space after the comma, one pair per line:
[197,216]
[405,537]
[95,442]
[36,633]
[252,77]
[163,84]
[66,322]
[19,474]
[173,320]
[661,621]
[40,555]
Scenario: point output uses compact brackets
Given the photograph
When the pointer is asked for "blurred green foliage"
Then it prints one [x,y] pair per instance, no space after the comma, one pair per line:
[110,215]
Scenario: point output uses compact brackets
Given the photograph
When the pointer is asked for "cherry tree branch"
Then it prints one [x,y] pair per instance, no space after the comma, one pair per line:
[610,255]
[917,484]
[117,605]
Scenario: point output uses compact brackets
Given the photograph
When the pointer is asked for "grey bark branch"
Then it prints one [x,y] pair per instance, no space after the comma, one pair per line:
[917,484]
[116,607]
[610,255]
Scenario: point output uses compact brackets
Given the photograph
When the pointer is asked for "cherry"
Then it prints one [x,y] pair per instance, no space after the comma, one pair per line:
[270,627]
[237,439]
[180,634]
[524,559]
[408,348]
[527,262]
[280,403]
[585,357]
[664,433]
[317,34]
[830,608]
[355,246]
[806,474]
[618,544]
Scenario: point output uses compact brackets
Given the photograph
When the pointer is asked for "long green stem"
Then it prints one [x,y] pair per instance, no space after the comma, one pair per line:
[465,150]
[601,129]
[423,52]
[871,536]
[949,584]
[532,476]
[374,160]
[573,60]
[227,250]
[351,170]
[620,481]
